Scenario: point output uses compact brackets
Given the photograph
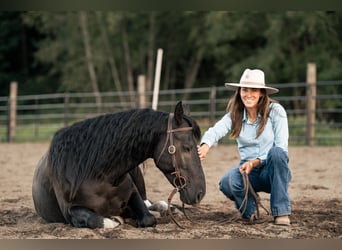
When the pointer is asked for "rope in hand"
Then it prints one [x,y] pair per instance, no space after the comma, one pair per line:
[249,189]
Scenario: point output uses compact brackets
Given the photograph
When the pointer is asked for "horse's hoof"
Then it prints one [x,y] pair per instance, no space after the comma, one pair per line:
[160,206]
[155,213]
[108,223]
[147,221]
[118,219]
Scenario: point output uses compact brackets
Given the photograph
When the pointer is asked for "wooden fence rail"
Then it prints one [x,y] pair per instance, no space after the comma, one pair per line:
[312,118]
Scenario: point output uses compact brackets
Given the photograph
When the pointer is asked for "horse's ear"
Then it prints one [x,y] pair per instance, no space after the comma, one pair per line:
[179,112]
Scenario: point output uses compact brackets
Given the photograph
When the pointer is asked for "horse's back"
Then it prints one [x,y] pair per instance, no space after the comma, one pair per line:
[44,198]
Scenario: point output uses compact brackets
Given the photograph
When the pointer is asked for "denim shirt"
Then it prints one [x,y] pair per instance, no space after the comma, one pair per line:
[276,133]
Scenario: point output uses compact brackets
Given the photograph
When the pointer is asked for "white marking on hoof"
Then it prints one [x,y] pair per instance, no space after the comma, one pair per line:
[108,223]
[163,205]
[147,203]
[160,206]
[155,213]
[118,219]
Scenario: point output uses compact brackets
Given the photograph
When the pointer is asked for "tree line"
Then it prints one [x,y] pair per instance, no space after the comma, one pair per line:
[98,51]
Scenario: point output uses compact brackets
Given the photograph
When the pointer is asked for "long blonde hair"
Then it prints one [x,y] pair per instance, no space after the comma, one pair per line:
[236,107]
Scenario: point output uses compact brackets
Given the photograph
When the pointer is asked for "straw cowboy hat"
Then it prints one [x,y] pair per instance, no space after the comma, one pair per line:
[252,78]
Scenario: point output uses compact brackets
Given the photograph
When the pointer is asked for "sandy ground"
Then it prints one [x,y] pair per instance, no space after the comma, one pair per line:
[315,192]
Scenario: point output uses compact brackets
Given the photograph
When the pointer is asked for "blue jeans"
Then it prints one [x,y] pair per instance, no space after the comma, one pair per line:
[273,177]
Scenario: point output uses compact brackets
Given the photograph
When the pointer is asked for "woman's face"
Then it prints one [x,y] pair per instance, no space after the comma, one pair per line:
[250,97]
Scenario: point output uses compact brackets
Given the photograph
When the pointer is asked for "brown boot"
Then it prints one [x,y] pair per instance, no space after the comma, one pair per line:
[283,220]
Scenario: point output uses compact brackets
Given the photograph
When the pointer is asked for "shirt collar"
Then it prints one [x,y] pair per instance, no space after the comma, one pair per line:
[245,118]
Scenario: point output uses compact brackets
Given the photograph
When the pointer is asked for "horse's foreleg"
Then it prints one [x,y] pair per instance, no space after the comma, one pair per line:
[84,217]
[137,202]
[144,217]
[138,179]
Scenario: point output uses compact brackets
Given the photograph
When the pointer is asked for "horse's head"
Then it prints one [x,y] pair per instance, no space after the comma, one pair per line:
[176,156]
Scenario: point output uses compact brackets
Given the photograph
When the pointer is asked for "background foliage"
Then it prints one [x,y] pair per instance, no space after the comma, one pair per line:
[45,51]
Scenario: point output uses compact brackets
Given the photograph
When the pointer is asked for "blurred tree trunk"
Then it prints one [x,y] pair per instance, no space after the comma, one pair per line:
[151,52]
[89,59]
[110,56]
[192,71]
[127,58]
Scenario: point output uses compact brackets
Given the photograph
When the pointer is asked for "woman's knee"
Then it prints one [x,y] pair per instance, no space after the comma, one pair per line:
[277,154]
[231,183]
[277,161]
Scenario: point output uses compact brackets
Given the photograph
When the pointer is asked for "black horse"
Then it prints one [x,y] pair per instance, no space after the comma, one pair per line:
[90,172]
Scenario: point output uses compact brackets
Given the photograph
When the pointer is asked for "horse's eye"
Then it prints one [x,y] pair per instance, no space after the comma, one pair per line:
[186,148]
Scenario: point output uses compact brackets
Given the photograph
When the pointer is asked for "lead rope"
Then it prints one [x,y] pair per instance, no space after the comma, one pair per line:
[249,189]
[169,212]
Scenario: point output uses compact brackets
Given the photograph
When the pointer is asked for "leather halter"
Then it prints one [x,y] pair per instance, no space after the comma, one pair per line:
[172,151]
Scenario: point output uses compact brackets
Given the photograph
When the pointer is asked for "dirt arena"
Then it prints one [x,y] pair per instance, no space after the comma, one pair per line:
[315,192]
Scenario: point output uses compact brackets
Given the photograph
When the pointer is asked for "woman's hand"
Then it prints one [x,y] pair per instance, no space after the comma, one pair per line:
[246,167]
[202,151]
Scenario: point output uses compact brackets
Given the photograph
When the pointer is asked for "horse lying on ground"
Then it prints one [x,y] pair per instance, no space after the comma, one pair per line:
[90,172]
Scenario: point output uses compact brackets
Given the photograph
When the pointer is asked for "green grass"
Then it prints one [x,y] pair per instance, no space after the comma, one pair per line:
[32,132]
[325,133]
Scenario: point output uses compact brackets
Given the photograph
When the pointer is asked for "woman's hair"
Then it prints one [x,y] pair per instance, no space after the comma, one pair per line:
[235,107]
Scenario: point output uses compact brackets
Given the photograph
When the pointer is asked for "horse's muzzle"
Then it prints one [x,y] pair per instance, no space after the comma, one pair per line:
[190,197]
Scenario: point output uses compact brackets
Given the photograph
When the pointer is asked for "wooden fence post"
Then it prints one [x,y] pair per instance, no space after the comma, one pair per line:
[157,79]
[311,79]
[66,109]
[37,119]
[142,91]
[12,112]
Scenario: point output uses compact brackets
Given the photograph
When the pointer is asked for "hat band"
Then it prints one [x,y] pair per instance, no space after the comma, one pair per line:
[254,83]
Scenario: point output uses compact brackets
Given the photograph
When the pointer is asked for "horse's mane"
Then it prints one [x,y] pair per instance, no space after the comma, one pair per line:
[97,146]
